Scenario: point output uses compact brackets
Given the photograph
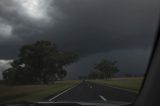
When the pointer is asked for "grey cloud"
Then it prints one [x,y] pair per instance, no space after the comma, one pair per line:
[105,25]
[5,29]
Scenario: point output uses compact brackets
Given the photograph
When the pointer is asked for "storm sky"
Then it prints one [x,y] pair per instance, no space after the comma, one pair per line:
[117,30]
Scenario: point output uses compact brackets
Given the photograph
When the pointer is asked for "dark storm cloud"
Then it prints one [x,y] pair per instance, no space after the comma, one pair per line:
[86,26]
[105,25]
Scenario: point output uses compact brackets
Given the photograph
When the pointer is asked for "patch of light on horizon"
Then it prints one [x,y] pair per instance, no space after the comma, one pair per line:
[4,64]
[5,61]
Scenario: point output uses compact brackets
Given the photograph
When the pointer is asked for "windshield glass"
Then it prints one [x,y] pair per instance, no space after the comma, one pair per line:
[75,50]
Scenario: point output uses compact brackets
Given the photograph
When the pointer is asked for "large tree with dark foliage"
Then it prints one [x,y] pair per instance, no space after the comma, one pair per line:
[104,69]
[40,62]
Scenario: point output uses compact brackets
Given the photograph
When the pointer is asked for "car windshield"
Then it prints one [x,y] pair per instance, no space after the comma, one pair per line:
[75,50]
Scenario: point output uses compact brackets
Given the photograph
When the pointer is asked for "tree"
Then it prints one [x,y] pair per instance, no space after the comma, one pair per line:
[107,68]
[39,62]
[104,69]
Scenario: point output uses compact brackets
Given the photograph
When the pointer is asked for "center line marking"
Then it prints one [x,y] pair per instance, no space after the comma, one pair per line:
[63,92]
[103,98]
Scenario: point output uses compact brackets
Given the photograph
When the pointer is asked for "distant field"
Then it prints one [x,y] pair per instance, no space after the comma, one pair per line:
[133,83]
[32,92]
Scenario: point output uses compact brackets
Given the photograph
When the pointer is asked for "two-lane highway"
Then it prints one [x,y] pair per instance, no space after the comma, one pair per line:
[88,92]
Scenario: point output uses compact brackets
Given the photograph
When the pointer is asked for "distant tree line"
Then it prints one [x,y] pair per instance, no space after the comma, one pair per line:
[103,70]
[39,63]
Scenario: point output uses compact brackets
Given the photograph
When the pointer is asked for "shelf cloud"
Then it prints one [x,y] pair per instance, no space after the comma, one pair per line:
[90,27]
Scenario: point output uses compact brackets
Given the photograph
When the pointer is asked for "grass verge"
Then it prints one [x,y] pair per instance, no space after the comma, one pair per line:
[133,83]
[32,92]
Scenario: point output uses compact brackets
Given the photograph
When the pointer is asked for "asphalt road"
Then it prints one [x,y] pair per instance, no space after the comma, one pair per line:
[88,92]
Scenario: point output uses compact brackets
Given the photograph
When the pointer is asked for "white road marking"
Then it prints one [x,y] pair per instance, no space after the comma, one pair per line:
[62,92]
[122,89]
[103,98]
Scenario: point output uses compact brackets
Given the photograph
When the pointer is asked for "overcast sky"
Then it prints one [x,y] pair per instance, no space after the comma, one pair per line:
[118,30]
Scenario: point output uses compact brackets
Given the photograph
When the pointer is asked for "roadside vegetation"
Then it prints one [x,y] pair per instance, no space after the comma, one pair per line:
[130,83]
[105,69]
[33,92]
[38,73]
[39,63]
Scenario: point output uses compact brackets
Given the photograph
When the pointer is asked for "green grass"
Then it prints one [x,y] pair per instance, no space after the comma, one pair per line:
[133,83]
[32,92]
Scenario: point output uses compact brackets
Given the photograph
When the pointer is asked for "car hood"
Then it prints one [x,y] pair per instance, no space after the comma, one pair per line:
[97,103]
[69,103]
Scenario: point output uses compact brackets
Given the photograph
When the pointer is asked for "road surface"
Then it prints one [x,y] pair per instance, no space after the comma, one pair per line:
[89,92]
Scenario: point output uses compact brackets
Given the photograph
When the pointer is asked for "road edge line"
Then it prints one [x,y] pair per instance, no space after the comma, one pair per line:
[63,92]
[122,89]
